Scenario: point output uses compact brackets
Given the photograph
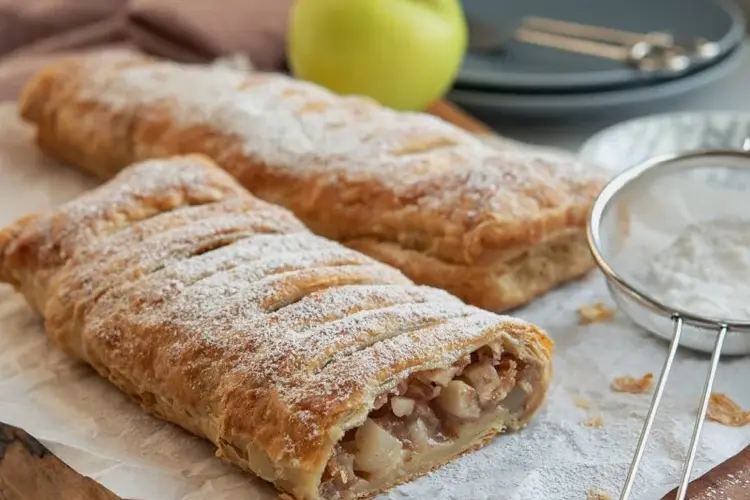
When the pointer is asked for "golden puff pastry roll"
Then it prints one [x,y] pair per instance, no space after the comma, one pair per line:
[496,228]
[317,368]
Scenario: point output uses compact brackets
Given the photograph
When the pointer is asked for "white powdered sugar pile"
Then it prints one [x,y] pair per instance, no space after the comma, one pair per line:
[706,270]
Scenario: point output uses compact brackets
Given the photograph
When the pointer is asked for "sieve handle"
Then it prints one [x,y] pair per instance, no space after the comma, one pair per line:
[656,401]
[702,412]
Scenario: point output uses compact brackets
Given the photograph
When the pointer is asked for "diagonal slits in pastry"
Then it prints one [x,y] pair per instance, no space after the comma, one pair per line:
[106,211]
[130,263]
[306,281]
[108,244]
[253,248]
[338,339]
[241,284]
[246,267]
[246,248]
[329,305]
[230,300]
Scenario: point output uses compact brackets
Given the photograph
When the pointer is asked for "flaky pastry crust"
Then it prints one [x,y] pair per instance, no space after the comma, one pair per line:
[495,228]
[224,314]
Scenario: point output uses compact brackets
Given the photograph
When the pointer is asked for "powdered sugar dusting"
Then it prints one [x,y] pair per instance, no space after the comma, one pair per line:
[302,129]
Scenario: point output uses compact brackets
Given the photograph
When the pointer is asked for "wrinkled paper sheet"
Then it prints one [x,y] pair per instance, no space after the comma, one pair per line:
[101,434]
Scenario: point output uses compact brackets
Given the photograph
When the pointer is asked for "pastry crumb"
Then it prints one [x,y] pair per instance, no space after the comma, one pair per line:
[581,402]
[593,422]
[597,494]
[595,313]
[633,385]
[722,409]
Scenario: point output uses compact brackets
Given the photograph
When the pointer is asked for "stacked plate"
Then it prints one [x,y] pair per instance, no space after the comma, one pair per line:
[522,79]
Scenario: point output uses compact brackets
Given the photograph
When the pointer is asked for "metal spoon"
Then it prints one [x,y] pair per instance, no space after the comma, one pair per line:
[654,51]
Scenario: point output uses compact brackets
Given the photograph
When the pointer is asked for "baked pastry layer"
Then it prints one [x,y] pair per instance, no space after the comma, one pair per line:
[408,188]
[317,368]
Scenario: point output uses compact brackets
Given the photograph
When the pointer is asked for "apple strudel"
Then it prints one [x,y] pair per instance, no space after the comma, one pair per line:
[496,228]
[307,363]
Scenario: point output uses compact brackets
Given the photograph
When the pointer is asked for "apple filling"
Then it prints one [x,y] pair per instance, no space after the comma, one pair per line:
[425,420]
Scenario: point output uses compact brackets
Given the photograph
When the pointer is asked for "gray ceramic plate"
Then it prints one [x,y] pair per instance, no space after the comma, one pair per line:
[557,105]
[524,67]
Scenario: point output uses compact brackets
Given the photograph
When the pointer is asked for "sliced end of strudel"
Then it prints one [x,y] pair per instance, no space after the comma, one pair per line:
[431,417]
[316,368]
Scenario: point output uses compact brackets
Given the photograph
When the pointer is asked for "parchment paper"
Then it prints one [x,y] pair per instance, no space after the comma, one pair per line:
[97,431]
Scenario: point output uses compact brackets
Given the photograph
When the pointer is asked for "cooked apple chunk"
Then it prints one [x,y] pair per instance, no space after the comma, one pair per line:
[378,451]
[460,400]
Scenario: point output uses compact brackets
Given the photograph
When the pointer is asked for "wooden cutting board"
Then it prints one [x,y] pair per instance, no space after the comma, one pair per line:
[28,471]
[730,480]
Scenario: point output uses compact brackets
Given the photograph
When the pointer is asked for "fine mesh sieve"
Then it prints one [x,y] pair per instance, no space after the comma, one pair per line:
[640,212]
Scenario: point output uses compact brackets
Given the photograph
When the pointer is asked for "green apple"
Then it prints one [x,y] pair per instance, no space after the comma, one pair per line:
[402,53]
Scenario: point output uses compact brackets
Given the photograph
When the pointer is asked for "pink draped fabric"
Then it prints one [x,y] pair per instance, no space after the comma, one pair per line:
[34,33]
